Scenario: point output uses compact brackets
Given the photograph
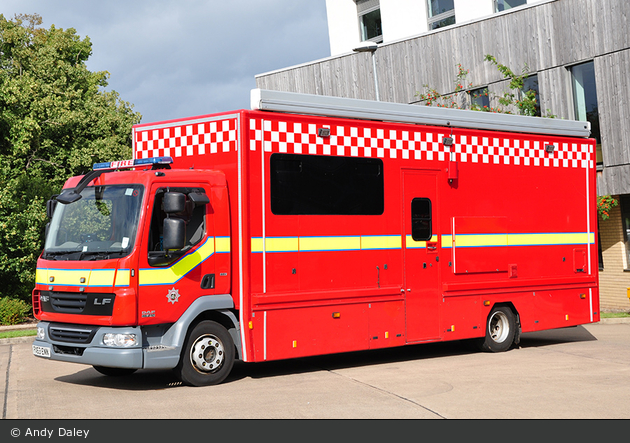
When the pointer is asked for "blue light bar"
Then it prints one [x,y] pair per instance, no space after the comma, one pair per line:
[123,164]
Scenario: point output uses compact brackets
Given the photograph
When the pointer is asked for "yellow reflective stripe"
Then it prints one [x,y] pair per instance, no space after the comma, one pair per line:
[447,241]
[281,244]
[222,244]
[412,244]
[330,243]
[569,238]
[275,244]
[257,244]
[533,239]
[381,242]
[366,242]
[480,240]
[101,277]
[41,276]
[123,277]
[72,277]
[323,243]
[172,274]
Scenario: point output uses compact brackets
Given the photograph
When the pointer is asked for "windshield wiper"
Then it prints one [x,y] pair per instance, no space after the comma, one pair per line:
[54,254]
[95,255]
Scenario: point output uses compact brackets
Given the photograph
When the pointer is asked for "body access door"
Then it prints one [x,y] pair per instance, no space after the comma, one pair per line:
[421,255]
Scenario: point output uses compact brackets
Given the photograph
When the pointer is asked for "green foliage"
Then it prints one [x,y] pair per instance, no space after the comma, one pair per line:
[604,205]
[56,121]
[525,101]
[13,311]
[463,96]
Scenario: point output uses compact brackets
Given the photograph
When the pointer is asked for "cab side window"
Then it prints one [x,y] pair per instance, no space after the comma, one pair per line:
[194,217]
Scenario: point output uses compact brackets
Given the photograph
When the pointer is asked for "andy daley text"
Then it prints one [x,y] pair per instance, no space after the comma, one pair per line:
[61,432]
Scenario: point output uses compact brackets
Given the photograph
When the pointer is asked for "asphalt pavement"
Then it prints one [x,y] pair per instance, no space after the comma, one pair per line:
[573,373]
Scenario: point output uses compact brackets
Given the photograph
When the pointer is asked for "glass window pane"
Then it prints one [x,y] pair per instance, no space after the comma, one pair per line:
[531,84]
[502,5]
[437,7]
[371,25]
[326,185]
[421,219]
[441,23]
[479,98]
[625,221]
[585,99]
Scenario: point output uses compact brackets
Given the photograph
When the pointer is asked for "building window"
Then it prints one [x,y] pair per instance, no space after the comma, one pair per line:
[585,100]
[369,12]
[441,13]
[503,5]
[531,84]
[625,222]
[479,98]
[326,185]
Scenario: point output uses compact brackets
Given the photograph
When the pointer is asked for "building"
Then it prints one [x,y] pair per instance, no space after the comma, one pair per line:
[576,54]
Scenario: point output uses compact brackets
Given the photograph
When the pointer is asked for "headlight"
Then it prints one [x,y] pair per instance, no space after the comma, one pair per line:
[120,340]
[41,334]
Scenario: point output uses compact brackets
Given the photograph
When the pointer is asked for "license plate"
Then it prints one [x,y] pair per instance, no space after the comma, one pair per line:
[41,351]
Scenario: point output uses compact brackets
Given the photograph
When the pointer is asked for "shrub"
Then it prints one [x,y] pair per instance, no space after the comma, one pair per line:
[13,311]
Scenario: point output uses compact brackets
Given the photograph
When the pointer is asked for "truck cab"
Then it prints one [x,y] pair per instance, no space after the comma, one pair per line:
[135,255]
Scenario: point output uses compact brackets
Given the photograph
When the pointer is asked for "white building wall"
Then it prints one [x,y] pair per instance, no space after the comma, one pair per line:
[343,26]
[467,10]
[403,18]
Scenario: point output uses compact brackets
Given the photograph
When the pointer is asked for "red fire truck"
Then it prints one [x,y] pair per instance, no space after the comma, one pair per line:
[314,225]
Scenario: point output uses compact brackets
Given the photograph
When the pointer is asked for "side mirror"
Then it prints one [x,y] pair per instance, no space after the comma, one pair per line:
[199,198]
[50,206]
[174,202]
[174,234]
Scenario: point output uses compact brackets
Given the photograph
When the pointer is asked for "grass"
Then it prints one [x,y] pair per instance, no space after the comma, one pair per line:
[18,333]
[615,314]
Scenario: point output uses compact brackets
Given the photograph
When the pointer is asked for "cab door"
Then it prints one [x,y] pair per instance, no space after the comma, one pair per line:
[421,255]
[169,281]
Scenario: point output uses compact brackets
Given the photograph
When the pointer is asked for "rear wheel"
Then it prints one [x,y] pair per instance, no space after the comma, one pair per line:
[114,372]
[500,330]
[208,355]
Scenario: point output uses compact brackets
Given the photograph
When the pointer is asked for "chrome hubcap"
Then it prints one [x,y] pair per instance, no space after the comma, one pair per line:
[499,327]
[207,354]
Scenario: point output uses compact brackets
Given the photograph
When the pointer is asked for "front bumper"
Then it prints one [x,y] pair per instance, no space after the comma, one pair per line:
[88,348]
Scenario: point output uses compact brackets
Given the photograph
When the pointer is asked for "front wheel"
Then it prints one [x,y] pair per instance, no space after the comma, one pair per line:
[208,355]
[500,330]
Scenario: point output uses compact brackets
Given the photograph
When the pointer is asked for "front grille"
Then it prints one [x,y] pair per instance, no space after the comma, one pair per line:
[68,302]
[72,333]
[83,303]
[68,350]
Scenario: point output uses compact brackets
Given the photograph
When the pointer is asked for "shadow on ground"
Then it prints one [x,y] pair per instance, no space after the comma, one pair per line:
[152,379]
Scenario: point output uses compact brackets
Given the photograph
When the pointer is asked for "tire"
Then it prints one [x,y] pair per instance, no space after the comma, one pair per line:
[500,330]
[114,372]
[208,355]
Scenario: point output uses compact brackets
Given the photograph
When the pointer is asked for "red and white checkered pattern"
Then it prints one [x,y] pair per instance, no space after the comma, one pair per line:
[301,138]
[220,135]
[187,139]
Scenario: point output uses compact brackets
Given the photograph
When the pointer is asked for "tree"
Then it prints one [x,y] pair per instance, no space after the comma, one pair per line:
[56,121]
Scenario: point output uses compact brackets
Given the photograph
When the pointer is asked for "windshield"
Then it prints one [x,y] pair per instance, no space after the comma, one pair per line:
[101,225]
